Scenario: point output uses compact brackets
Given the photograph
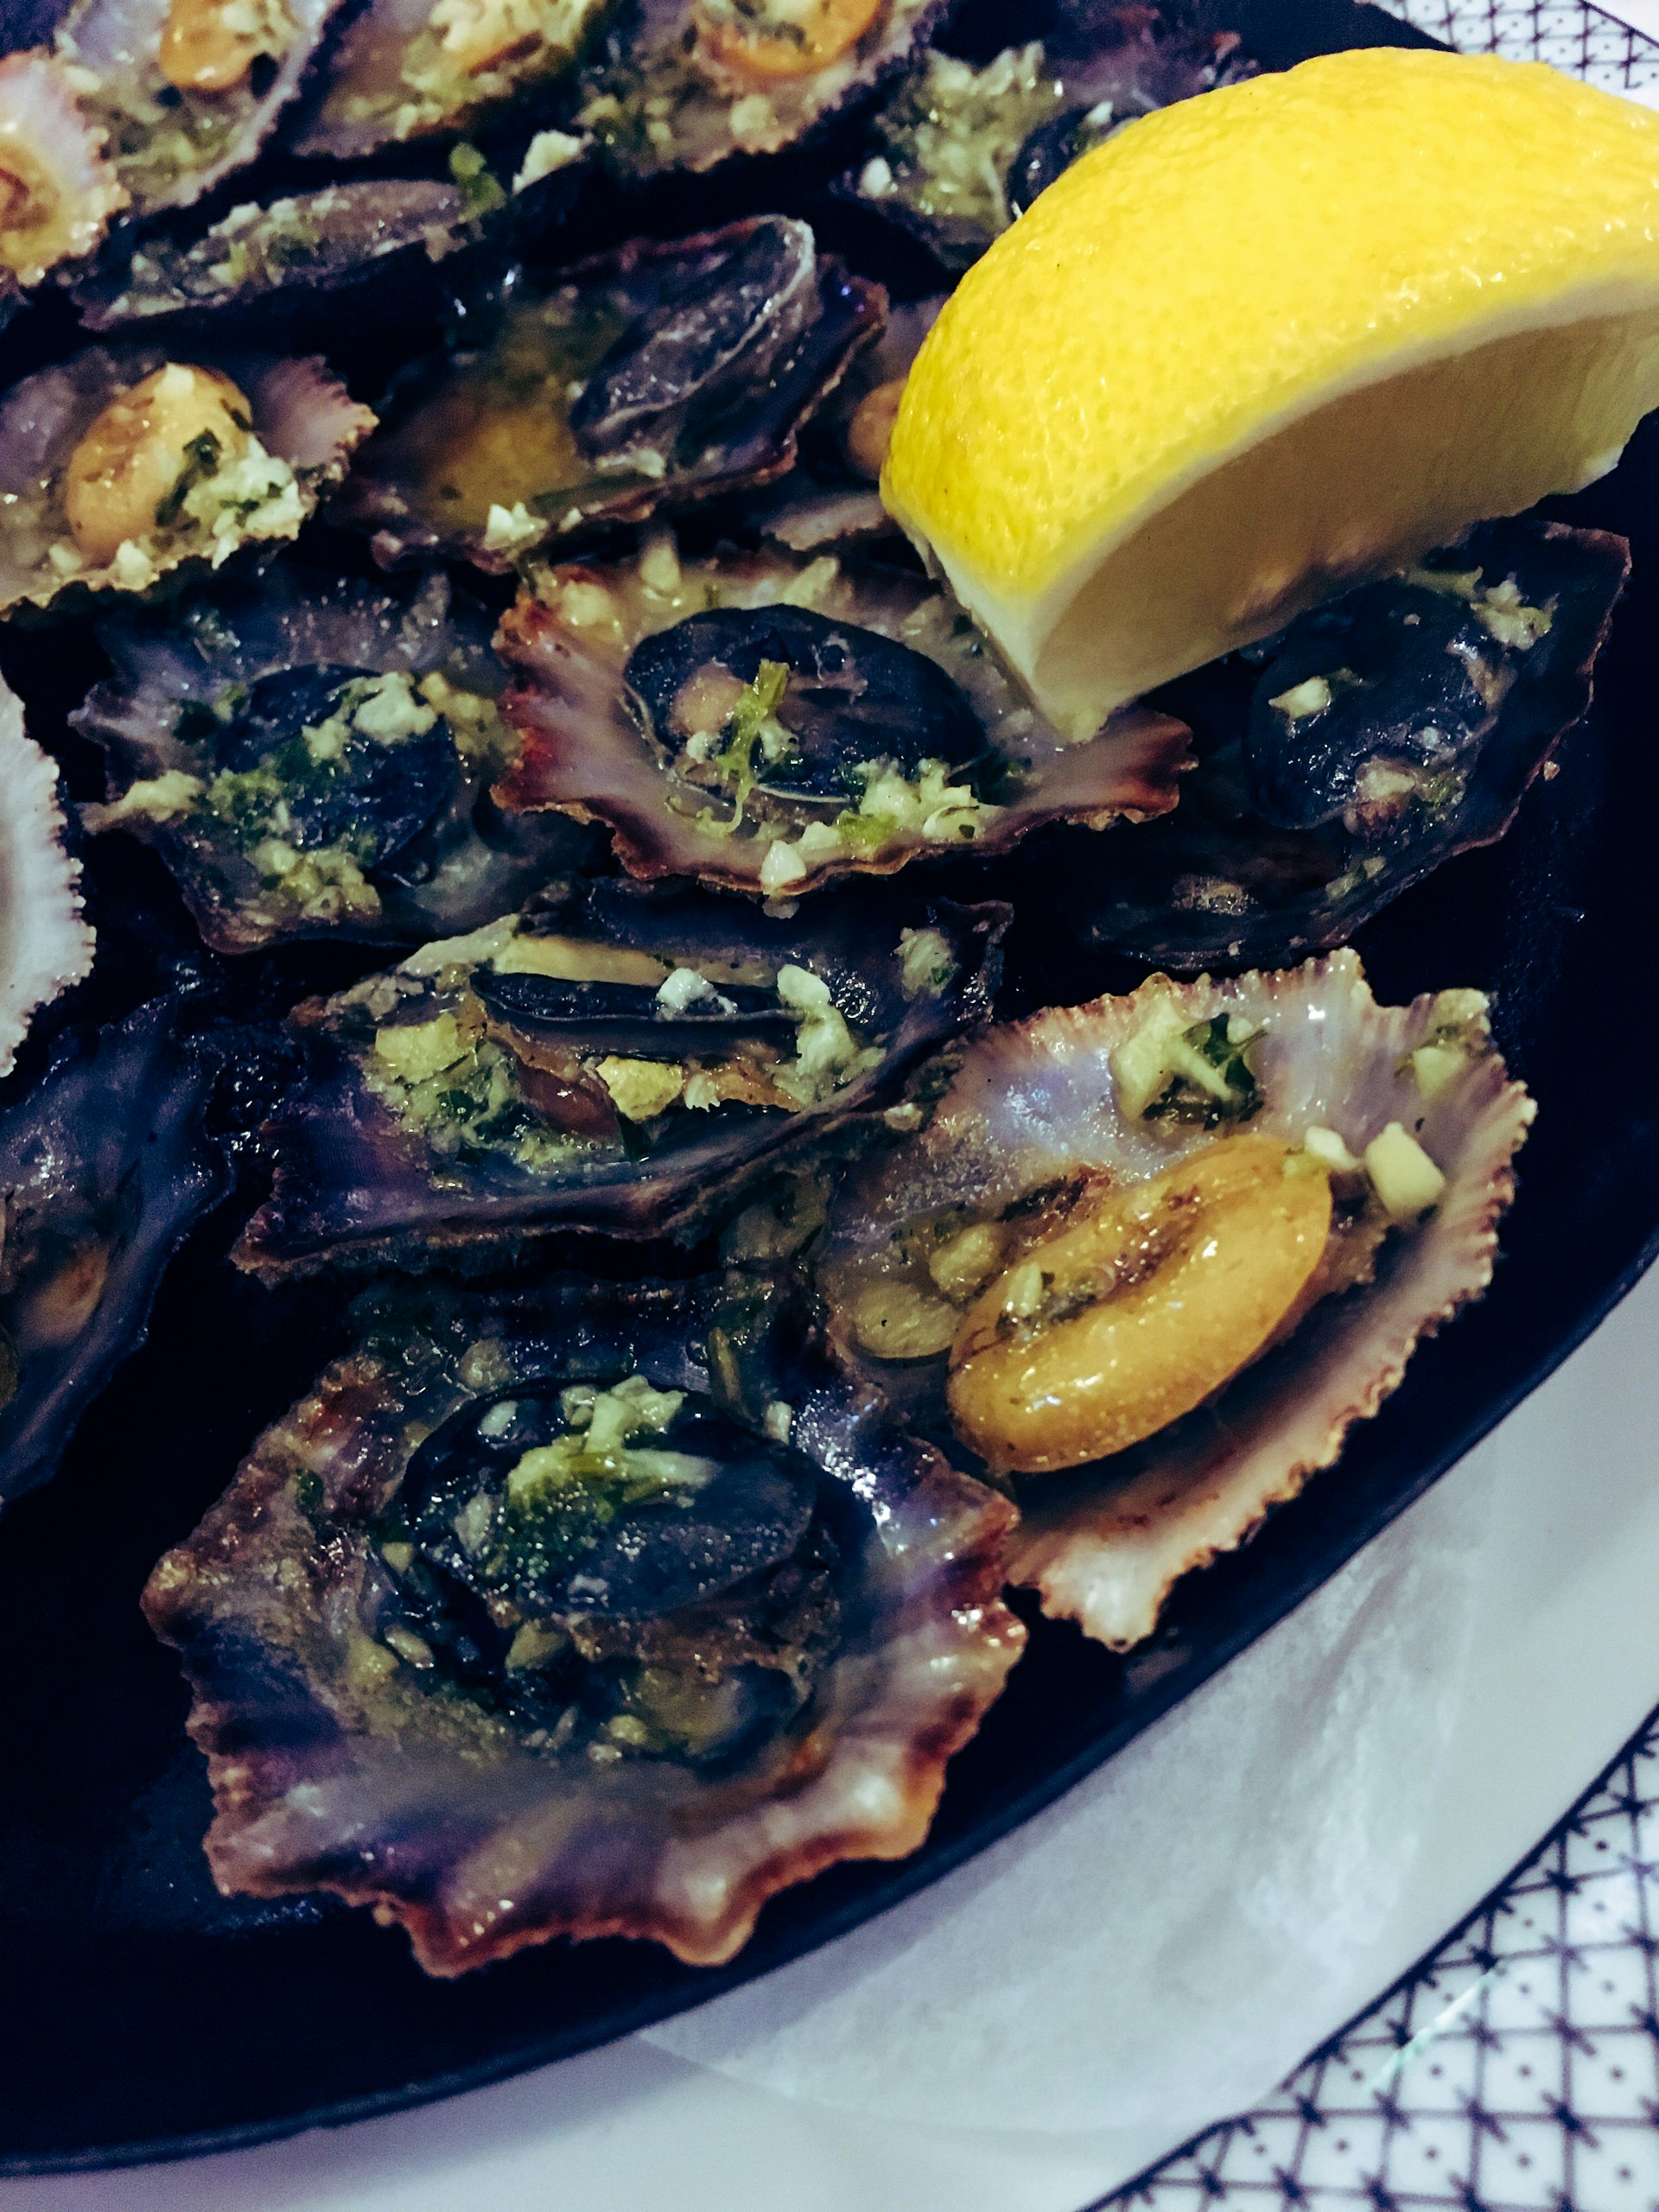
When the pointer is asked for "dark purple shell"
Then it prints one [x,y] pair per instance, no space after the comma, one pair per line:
[389,841]
[1222,882]
[300,243]
[373,1729]
[651,378]
[882,668]
[105,1168]
[515,1137]
[1027,114]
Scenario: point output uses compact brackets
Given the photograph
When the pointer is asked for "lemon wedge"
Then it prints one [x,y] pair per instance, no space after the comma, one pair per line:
[1289,333]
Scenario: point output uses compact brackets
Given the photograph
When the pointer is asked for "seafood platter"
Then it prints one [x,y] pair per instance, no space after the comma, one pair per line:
[691,1207]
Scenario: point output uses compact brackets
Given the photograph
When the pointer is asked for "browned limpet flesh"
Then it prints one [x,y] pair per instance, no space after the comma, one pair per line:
[1153,1257]
[604,1611]
[123,470]
[768,722]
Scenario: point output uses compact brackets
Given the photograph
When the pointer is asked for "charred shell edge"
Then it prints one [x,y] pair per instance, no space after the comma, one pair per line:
[855,312]
[584,753]
[354,1135]
[46,940]
[117,1112]
[1106,1549]
[935,1657]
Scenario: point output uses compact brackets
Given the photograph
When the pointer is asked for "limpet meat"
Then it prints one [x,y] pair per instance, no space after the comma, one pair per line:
[1009,1274]
[611,1609]
[768,722]
[625,1061]
[312,757]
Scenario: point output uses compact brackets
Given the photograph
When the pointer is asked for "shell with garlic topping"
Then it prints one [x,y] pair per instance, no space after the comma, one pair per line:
[121,469]
[624,1060]
[448,1662]
[1407,1109]
[957,152]
[187,91]
[312,756]
[413,69]
[57,190]
[769,722]
[688,83]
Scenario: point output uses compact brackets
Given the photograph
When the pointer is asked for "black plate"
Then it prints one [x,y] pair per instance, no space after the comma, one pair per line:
[147,2017]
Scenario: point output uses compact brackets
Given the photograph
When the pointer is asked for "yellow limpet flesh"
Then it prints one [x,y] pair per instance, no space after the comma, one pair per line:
[791,38]
[211,46]
[129,461]
[1301,330]
[1108,1332]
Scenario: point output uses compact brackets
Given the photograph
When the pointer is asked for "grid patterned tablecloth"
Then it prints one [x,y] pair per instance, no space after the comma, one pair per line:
[1518,2070]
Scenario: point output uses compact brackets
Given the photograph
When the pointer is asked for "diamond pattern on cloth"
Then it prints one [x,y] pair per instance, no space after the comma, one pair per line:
[1582,41]
[1518,2070]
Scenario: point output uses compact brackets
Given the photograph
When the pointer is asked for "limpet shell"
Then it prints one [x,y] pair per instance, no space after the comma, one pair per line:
[1219,882]
[51,149]
[345,1762]
[170,146]
[591,749]
[302,417]
[106,1168]
[380,1158]
[704,356]
[174,724]
[300,243]
[46,943]
[1034,1103]
[662,98]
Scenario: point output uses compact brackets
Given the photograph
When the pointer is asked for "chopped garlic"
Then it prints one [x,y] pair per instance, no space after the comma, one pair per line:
[1405,1179]
[640,1089]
